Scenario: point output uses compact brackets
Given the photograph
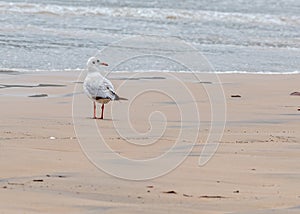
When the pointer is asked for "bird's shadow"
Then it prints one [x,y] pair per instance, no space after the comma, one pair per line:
[91,118]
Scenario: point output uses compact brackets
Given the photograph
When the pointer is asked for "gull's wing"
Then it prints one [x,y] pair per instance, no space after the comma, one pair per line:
[109,89]
[98,87]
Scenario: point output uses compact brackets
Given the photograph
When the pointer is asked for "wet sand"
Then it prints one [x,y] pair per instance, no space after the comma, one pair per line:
[255,169]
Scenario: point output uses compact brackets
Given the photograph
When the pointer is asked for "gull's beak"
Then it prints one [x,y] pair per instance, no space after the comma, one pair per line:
[103,63]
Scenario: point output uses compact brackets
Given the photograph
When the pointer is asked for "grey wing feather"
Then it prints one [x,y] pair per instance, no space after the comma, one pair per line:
[98,87]
[110,91]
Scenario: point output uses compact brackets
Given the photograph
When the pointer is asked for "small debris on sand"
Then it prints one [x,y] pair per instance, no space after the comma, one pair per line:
[170,192]
[56,176]
[211,196]
[38,180]
[39,95]
[205,82]
[236,96]
[236,191]
[296,93]
[11,183]
[186,195]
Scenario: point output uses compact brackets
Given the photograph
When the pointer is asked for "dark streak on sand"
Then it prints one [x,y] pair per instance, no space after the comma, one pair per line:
[10,72]
[39,95]
[30,86]
[212,196]
[236,96]
[56,176]
[296,93]
[38,180]
[186,195]
[205,82]
[170,192]
[13,183]
[139,78]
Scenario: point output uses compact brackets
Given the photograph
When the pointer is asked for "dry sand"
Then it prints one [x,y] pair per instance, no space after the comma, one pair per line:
[255,170]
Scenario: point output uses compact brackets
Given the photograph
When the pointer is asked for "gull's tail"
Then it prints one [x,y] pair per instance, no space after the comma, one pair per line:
[119,98]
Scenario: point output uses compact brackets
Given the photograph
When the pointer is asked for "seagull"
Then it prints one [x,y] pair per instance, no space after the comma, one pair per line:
[97,87]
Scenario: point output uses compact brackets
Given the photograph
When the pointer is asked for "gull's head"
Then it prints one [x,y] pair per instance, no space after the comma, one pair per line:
[95,62]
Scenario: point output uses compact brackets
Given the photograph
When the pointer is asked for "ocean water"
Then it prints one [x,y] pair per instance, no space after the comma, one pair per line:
[234,35]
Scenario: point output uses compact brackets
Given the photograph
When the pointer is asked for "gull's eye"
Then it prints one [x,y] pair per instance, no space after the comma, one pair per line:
[107,87]
[93,62]
[98,60]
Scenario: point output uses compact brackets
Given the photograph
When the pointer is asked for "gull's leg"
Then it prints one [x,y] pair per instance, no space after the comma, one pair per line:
[102,108]
[95,107]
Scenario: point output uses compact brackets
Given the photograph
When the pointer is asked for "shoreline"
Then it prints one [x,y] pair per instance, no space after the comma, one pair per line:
[38,71]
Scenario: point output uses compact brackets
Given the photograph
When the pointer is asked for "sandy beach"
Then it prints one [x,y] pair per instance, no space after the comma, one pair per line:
[255,169]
